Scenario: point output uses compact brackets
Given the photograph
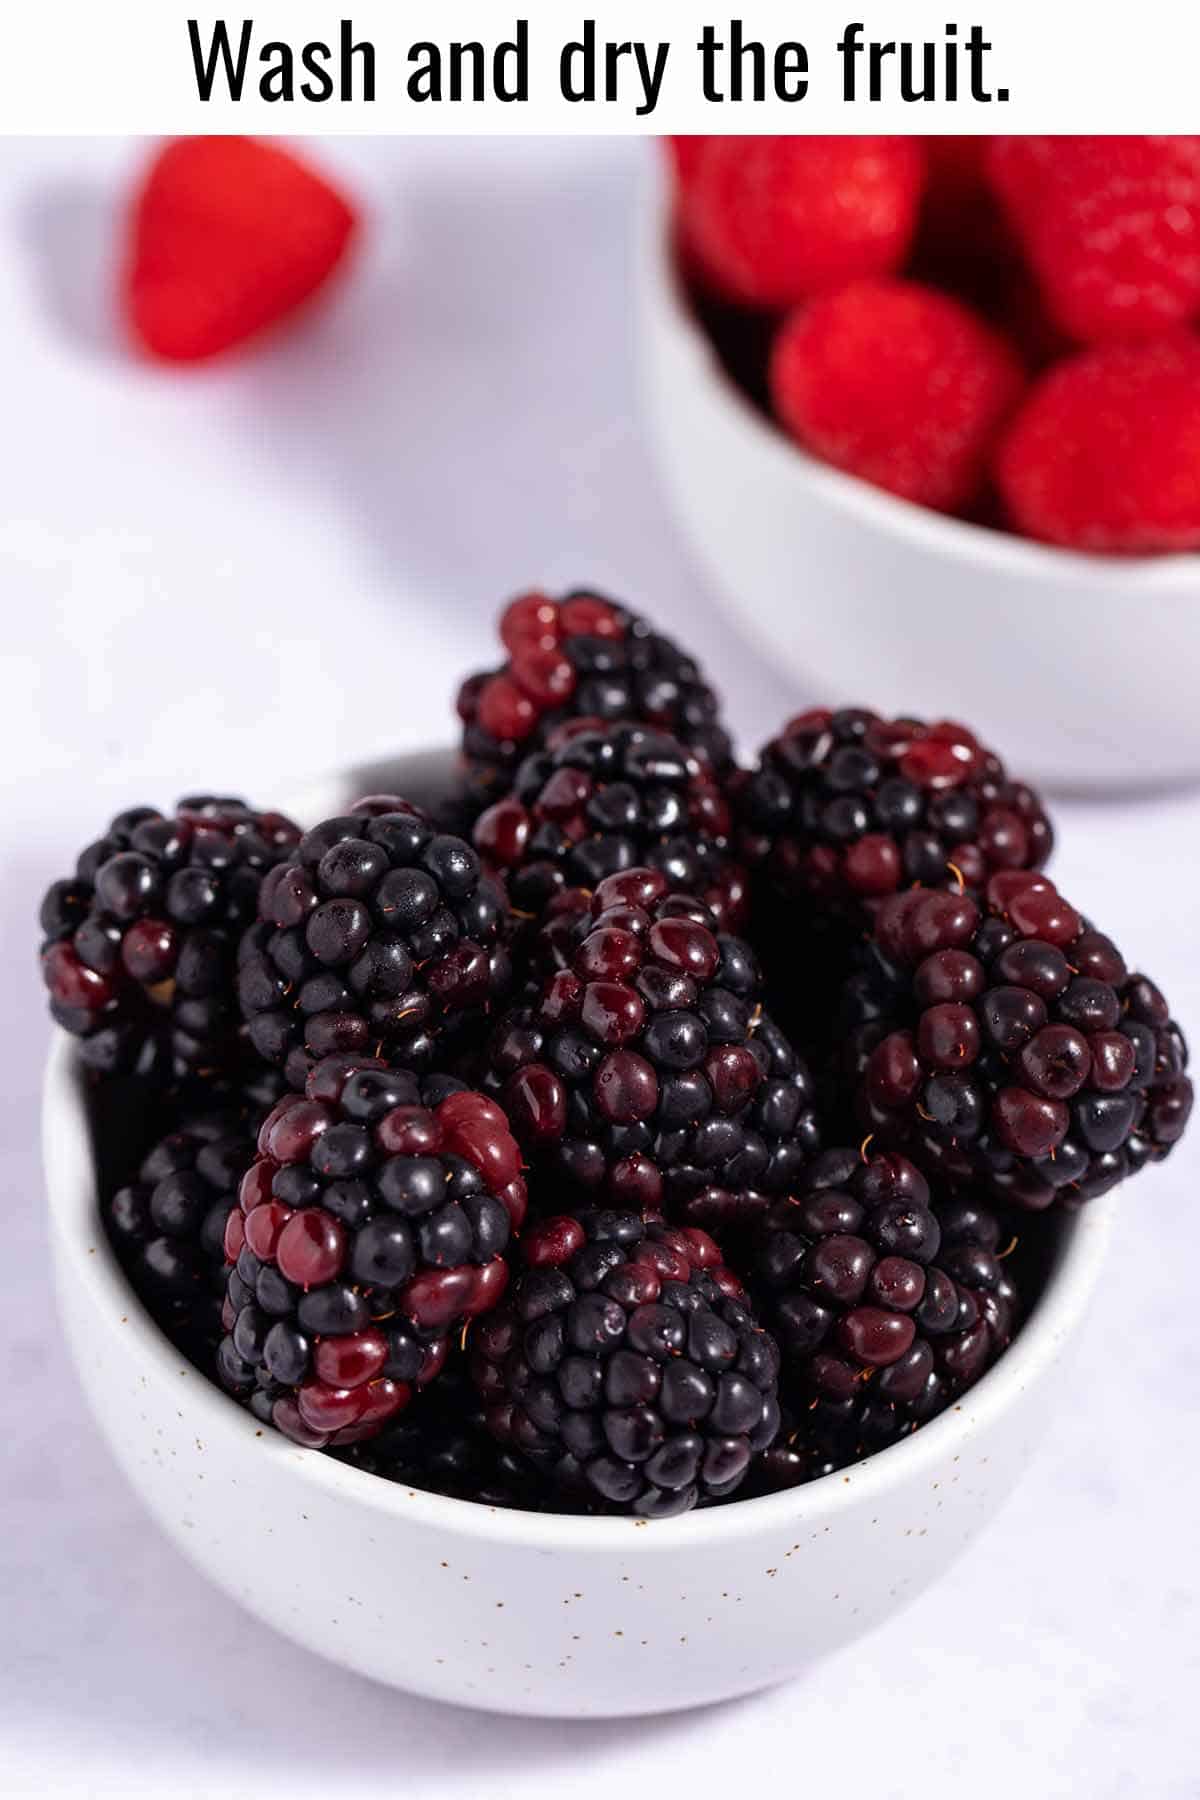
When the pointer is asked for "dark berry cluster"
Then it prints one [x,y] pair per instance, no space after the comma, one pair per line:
[580,658]
[644,1071]
[884,1305]
[380,934]
[140,942]
[845,807]
[373,1221]
[600,799]
[627,1364]
[169,1223]
[415,1143]
[1007,1042]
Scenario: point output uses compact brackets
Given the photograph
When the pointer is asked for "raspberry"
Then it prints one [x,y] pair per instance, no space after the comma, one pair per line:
[846,807]
[581,657]
[141,943]
[685,154]
[1111,227]
[1006,1042]
[899,384]
[372,1223]
[228,236]
[643,1072]
[603,798]
[885,1304]
[1104,455]
[775,220]
[626,1365]
[379,933]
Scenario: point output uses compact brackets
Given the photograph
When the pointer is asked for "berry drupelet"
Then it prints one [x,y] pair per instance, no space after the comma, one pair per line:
[373,1222]
[643,1071]
[140,944]
[379,935]
[441,1444]
[581,657]
[846,807]
[1005,1041]
[884,1305]
[168,1226]
[626,1365]
[599,799]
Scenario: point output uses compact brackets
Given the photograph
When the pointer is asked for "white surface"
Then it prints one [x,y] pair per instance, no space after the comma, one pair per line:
[460,425]
[899,583]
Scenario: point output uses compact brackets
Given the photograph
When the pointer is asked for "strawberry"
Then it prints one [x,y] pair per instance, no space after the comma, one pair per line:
[229,235]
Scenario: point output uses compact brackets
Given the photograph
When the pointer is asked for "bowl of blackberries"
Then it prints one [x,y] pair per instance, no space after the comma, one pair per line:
[911,396]
[580,1224]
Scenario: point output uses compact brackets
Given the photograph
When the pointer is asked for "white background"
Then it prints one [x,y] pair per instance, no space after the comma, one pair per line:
[75,65]
[239,576]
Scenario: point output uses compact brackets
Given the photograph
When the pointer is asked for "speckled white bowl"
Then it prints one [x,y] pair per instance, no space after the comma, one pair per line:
[1082,669]
[522,1613]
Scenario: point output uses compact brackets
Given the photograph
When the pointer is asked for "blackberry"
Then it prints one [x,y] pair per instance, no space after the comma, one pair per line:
[627,1366]
[885,1306]
[581,657]
[793,1460]
[440,1444]
[168,1225]
[140,944]
[380,934]
[1007,1043]
[845,807]
[599,799]
[643,1071]
[373,1221]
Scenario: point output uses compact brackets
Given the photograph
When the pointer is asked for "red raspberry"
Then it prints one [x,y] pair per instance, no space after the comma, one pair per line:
[1111,227]
[229,235]
[684,154]
[1105,452]
[773,220]
[899,384]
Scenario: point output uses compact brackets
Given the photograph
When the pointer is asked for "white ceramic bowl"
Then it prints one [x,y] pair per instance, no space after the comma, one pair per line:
[1082,669]
[524,1613]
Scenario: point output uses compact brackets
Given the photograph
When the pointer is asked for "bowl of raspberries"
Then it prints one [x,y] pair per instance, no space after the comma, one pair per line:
[913,395]
[579,1224]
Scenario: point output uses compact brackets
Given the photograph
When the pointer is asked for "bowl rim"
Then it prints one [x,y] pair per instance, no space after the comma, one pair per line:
[85,1257]
[664,296]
